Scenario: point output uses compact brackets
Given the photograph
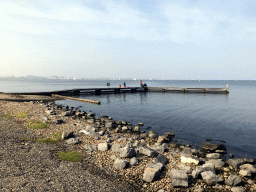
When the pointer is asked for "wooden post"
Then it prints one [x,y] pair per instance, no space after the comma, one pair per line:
[133,90]
[117,90]
[76,92]
[97,92]
[227,88]
[183,90]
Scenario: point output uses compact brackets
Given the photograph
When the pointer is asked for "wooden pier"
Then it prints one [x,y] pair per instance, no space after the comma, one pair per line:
[97,91]
[189,90]
[76,99]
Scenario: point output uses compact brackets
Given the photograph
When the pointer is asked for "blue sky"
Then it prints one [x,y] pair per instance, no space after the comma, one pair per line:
[183,39]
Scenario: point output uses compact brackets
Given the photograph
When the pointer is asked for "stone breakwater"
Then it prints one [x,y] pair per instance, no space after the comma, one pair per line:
[154,162]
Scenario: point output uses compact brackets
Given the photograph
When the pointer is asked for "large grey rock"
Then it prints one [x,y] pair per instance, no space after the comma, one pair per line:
[137,129]
[121,139]
[143,135]
[216,162]
[185,168]
[238,189]
[233,180]
[89,128]
[152,135]
[72,141]
[66,113]
[218,187]
[161,190]
[113,157]
[235,163]
[159,149]
[208,167]
[248,160]
[67,135]
[148,152]
[193,160]
[247,170]
[44,119]
[179,178]
[118,130]
[120,164]
[127,152]
[116,147]
[161,140]
[205,167]
[198,153]
[91,121]
[136,144]
[165,146]
[213,156]
[211,178]
[103,146]
[134,161]
[101,133]
[161,159]
[212,147]
[109,125]
[129,144]
[90,148]
[186,152]
[94,134]
[91,115]
[152,172]
[196,172]
[169,136]
[199,189]
[124,128]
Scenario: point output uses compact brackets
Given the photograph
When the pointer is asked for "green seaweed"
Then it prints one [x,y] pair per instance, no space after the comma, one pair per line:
[73,156]
[35,124]
[55,138]
[7,116]
[22,115]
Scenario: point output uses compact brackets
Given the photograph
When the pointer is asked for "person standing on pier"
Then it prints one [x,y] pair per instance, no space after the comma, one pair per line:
[140,83]
[124,85]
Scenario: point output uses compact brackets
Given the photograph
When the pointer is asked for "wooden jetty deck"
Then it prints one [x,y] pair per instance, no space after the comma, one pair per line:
[98,91]
[189,90]
[68,93]
[73,92]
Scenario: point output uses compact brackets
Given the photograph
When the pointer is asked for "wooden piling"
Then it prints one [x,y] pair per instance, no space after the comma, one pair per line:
[77,99]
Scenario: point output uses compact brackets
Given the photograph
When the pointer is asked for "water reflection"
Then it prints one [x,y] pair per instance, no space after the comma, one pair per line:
[143,95]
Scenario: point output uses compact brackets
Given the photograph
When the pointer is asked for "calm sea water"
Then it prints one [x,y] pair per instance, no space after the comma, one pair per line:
[194,117]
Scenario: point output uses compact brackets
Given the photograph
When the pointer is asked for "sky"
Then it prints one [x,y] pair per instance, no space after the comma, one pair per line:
[174,39]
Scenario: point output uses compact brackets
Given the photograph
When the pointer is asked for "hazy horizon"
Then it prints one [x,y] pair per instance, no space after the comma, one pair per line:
[185,39]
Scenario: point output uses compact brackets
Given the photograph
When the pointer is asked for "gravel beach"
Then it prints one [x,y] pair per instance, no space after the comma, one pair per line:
[115,158]
[27,165]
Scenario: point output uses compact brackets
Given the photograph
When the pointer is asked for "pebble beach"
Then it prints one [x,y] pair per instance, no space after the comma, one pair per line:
[116,155]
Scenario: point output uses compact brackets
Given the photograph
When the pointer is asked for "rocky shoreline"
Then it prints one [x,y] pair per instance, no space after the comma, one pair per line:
[146,160]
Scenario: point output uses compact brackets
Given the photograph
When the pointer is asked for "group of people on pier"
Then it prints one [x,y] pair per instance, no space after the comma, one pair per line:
[141,85]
